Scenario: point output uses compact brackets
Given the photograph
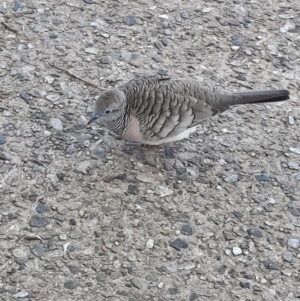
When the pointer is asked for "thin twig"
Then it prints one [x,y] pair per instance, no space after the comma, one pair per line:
[76,76]
[9,27]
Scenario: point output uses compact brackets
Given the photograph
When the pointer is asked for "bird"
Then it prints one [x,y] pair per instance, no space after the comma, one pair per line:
[152,110]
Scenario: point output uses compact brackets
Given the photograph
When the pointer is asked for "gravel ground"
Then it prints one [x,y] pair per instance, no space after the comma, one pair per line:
[87,216]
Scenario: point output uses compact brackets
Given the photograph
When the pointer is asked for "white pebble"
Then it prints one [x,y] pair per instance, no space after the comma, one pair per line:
[291,120]
[166,17]
[293,243]
[150,243]
[236,251]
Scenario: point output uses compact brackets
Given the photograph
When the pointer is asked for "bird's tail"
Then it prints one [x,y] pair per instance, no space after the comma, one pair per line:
[258,97]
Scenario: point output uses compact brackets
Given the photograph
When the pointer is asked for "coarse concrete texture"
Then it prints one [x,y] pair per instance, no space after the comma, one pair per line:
[87,216]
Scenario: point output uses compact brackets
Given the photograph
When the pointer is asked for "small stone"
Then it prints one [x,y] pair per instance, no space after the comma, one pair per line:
[255,232]
[222,269]
[188,230]
[70,284]
[91,50]
[293,165]
[56,124]
[100,153]
[236,251]
[244,284]
[52,97]
[158,44]
[70,149]
[288,256]
[262,178]
[150,243]
[237,41]
[41,208]
[38,221]
[297,176]
[143,178]
[129,20]
[45,16]
[165,17]
[136,283]
[88,1]
[228,235]
[293,243]
[291,120]
[295,150]
[132,189]
[115,275]
[17,5]
[2,139]
[84,166]
[47,133]
[184,15]
[179,244]
[295,211]
[227,143]
[194,296]
[24,96]
[270,265]
[160,285]
[231,179]
[49,79]
[164,191]
[238,214]
[38,250]
[21,294]
[72,222]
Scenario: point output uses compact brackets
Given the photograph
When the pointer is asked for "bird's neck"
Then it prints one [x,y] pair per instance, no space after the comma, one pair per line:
[119,124]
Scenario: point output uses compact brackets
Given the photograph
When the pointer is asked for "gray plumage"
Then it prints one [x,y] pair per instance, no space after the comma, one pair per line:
[151,110]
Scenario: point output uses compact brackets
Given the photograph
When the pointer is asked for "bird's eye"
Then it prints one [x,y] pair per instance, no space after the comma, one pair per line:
[108,111]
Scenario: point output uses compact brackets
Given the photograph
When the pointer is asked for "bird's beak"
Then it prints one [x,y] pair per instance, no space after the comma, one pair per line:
[94,117]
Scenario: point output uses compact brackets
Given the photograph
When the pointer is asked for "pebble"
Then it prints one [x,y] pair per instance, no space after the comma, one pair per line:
[188,230]
[2,139]
[143,178]
[38,250]
[227,143]
[21,294]
[293,243]
[45,16]
[288,256]
[293,165]
[16,6]
[70,149]
[24,96]
[49,79]
[91,50]
[165,17]
[52,97]
[179,244]
[84,166]
[136,283]
[129,20]
[132,189]
[41,208]
[295,150]
[262,178]
[115,275]
[270,265]
[231,179]
[291,120]
[70,284]
[56,124]
[164,191]
[236,251]
[88,1]
[297,176]
[150,243]
[255,232]
[38,221]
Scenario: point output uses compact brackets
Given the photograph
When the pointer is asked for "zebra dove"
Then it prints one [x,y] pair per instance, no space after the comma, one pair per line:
[153,111]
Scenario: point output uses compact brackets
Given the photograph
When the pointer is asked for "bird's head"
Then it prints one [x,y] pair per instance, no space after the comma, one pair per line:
[108,106]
